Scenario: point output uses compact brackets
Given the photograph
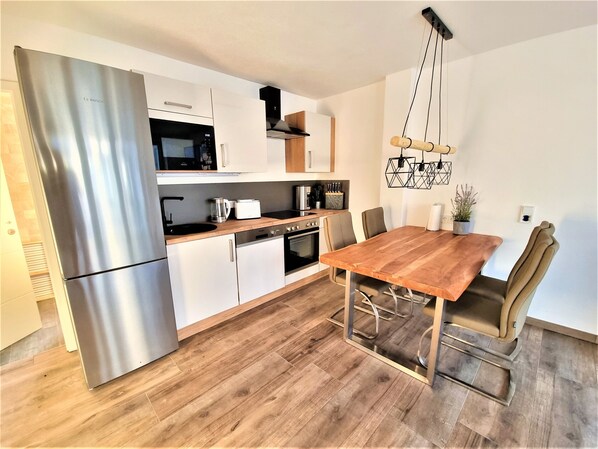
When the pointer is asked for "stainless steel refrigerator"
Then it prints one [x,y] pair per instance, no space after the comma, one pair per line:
[90,129]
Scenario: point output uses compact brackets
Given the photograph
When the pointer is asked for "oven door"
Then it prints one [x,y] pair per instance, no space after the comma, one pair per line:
[182,145]
[301,250]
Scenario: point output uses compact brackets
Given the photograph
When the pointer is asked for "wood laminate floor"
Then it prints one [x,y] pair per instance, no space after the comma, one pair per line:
[282,376]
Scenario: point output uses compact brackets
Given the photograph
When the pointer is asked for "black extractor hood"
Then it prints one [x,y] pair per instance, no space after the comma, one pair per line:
[275,127]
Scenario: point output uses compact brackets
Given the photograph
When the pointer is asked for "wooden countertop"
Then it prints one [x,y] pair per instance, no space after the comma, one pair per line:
[438,263]
[232,225]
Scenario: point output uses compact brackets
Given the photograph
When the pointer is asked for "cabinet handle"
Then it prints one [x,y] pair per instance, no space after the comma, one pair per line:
[178,105]
[309,154]
[224,152]
[231,250]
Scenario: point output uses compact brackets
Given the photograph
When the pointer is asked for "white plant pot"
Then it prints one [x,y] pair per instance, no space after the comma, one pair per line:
[461,227]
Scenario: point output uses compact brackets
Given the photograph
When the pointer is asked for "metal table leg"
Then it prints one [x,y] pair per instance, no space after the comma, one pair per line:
[435,341]
[349,303]
[398,361]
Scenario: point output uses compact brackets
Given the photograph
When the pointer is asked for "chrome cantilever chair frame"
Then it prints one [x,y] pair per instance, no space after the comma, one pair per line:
[367,300]
[504,400]
[529,273]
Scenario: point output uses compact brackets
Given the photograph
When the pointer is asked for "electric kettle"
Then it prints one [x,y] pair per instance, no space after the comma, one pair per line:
[219,209]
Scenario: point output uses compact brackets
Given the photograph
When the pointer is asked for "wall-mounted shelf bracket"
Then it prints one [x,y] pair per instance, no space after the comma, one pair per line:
[438,24]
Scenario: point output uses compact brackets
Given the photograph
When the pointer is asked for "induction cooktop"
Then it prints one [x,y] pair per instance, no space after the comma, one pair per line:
[284,214]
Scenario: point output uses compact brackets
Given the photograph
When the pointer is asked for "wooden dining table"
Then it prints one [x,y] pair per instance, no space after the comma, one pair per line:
[437,263]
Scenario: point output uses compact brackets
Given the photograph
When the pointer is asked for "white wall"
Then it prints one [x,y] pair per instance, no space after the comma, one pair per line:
[359,122]
[524,119]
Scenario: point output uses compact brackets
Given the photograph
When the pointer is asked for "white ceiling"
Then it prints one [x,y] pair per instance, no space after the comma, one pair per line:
[314,49]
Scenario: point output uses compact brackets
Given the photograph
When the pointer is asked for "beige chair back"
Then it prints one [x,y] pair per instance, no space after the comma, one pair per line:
[373,222]
[338,230]
[544,226]
[524,283]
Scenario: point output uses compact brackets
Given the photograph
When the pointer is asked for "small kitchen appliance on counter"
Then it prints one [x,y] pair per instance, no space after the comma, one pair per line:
[245,209]
[302,194]
[219,210]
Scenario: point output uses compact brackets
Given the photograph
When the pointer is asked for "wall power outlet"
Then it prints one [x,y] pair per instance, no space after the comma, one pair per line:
[526,214]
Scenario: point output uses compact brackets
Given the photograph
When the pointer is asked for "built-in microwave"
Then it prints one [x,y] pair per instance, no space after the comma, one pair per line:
[182,142]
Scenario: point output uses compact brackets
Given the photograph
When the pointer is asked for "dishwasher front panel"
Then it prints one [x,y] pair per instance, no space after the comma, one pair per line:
[260,268]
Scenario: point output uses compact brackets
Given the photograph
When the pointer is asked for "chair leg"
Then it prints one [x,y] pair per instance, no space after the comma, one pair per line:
[504,400]
[419,298]
[395,297]
[508,357]
[367,300]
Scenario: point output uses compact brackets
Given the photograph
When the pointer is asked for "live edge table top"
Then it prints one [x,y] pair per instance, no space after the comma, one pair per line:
[438,263]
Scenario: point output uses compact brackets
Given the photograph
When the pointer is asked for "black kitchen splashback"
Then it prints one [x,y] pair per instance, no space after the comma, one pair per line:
[273,196]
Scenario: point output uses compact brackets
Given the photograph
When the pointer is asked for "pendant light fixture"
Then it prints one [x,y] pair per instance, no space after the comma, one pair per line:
[404,171]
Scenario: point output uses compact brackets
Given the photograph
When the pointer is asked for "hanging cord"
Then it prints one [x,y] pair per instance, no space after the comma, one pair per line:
[439,166]
[417,82]
[422,163]
[431,88]
[440,94]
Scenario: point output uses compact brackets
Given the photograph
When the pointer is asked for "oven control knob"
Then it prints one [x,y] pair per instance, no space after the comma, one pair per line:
[288,229]
[308,225]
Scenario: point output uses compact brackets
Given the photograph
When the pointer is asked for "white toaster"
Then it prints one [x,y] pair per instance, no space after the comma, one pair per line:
[247,209]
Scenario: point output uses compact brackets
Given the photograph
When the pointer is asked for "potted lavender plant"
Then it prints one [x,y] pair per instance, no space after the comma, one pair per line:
[465,199]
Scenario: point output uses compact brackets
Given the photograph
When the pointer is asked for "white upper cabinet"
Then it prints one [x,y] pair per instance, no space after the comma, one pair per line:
[240,132]
[315,153]
[167,94]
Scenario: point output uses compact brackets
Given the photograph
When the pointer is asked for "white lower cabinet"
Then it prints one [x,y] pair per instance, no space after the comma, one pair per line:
[203,275]
[261,268]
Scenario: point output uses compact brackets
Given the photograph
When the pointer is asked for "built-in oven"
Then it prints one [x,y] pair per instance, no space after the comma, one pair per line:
[181,144]
[301,245]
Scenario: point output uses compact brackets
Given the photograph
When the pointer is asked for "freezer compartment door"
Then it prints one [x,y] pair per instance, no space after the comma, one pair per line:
[123,319]
[93,146]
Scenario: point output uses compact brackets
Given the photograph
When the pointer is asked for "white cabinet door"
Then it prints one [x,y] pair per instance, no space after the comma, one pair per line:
[317,145]
[167,94]
[261,268]
[240,132]
[19,315]
[203,275]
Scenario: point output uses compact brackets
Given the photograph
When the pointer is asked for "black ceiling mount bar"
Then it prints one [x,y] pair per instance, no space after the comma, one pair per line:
[437,24]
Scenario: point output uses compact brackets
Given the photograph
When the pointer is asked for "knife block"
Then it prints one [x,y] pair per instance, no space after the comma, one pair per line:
[334,200]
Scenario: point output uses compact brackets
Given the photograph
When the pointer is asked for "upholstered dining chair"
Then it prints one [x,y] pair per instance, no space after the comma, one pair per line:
[496,288]
[502,319]
[373,222]
[338,230]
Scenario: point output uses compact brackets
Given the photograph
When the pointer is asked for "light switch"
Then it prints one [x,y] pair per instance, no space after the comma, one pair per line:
[526,214]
